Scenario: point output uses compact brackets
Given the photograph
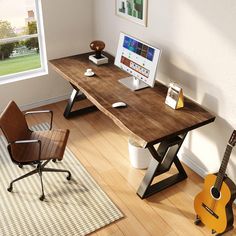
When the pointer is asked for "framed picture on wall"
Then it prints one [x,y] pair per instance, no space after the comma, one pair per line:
[133,10]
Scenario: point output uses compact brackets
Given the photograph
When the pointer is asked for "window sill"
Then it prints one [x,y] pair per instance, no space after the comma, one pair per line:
[6,79]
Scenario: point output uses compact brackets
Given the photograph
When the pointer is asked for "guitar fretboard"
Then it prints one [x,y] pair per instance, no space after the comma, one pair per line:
[222,170]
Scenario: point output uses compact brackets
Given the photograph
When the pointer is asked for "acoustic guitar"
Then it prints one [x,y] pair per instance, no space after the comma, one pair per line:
[214,204]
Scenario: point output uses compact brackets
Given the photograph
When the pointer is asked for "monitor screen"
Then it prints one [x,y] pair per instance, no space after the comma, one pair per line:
[137,58]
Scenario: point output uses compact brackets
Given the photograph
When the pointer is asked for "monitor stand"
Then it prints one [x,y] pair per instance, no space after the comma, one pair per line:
[133,83]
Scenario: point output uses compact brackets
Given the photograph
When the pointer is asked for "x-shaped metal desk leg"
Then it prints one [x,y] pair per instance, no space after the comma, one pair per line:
[76,95]
[162,160]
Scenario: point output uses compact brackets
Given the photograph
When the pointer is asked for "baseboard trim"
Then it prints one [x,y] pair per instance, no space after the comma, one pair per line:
[44,102]
[187,160]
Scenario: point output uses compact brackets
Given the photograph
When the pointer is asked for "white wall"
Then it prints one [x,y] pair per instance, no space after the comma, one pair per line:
[198,39]
[68,31]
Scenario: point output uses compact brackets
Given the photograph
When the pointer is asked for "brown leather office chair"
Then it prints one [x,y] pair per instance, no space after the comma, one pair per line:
[27,147]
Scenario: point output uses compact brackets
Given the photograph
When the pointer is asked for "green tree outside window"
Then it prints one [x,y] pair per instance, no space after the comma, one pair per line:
[6,31]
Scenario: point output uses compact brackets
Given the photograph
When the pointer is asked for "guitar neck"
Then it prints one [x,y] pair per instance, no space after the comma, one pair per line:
[222,170]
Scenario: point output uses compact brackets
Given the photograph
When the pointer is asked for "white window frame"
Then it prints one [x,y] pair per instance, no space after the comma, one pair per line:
[43,70]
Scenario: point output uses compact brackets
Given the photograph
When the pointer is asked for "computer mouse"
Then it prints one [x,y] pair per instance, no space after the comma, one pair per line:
[119,104]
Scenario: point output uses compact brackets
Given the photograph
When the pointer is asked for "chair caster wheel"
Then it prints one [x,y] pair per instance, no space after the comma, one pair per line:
[42,198]
[9,189]
[20,166]
[197,221]
[68,177]
[54,160]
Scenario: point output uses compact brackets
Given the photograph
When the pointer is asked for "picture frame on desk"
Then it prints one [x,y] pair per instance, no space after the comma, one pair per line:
[133,10]
[175,96]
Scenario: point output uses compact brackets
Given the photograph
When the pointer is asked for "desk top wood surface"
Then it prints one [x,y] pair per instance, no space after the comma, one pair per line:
[147,118]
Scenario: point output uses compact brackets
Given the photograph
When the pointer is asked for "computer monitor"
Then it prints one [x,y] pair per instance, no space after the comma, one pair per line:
[138,59]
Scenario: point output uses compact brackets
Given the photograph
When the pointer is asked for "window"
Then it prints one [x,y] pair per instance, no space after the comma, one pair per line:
[22,44]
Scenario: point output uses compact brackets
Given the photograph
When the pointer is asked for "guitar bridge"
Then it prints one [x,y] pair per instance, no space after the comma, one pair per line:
[210,211]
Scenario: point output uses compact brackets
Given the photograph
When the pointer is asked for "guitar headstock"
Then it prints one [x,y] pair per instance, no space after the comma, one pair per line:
[232,139]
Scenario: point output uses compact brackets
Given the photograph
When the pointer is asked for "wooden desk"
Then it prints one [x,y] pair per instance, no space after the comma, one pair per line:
[147,119]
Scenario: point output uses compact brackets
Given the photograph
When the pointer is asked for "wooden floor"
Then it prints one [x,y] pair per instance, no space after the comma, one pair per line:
[102,148]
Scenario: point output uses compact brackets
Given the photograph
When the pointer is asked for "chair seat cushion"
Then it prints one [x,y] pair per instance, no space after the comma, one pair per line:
[53,145]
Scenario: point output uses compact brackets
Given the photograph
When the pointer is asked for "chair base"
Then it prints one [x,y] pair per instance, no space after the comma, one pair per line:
[40,168]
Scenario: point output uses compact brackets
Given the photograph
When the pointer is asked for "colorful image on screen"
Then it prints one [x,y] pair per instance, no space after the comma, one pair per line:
[139,48]
[135,66]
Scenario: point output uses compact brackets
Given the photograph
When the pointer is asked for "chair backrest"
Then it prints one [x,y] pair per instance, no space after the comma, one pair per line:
[14,126]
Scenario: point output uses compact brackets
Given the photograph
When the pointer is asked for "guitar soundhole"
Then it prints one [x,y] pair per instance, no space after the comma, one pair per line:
[215,193]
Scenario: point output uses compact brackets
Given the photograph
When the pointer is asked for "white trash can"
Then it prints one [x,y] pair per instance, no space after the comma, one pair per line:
[139,157]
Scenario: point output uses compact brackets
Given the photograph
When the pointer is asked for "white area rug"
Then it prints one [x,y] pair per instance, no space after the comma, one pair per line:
[75,207]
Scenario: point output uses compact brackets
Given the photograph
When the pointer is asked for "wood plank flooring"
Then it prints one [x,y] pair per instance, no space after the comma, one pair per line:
[102,148]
